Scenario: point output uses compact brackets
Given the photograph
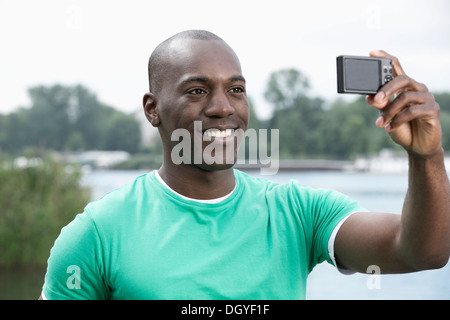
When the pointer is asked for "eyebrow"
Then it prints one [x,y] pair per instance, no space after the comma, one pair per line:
[237,78]
[195,79]
[206,80]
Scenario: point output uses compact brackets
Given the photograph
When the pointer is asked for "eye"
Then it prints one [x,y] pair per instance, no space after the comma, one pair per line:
[197,91]
[237,90]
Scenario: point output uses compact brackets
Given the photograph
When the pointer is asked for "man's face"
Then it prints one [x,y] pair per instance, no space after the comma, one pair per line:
[204,83]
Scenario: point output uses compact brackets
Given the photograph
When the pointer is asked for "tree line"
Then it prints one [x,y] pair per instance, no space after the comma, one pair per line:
[71,118]
[67,118]
[310,127]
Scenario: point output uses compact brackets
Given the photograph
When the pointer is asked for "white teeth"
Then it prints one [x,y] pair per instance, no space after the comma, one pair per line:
[216,133]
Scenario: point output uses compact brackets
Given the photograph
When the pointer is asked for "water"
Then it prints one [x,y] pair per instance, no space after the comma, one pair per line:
[377,193]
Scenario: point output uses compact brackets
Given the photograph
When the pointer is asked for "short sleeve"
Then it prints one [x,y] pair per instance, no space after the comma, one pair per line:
[75,268]
[321,212]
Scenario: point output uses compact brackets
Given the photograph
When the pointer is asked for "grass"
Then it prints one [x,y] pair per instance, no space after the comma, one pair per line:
[36,200]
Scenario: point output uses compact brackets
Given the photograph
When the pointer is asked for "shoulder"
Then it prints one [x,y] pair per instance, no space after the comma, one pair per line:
[116,209]
[135,187]
[285,197]
[272,187]
[124,197]
[299,197]
[254,183]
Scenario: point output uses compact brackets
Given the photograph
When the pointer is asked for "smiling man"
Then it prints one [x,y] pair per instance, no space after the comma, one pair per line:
[200,229]
[200,81]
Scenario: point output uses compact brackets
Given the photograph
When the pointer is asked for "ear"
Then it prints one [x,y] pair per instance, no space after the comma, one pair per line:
[149,103]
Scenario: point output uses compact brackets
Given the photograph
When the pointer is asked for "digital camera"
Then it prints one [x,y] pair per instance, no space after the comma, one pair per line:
[362,75]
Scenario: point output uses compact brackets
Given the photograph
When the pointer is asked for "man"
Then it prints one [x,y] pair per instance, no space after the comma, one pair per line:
[202,230]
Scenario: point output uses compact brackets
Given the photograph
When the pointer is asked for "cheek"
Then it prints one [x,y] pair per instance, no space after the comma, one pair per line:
[176,123]
[245,115]
[170,114]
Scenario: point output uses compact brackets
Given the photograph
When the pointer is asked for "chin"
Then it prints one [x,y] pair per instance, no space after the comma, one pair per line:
[215,166]
[216,160]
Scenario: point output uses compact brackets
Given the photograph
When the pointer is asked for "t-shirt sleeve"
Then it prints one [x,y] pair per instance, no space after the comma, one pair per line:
[75,268]
[321,211]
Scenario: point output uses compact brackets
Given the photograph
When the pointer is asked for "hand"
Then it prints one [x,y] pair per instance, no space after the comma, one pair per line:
[412,117]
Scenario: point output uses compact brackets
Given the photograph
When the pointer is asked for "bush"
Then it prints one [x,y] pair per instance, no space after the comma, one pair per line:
[36,201]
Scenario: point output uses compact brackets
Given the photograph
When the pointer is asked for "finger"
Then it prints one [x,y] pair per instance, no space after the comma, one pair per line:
[394,88]
[398,70]
[402,102]
[427,111]
[370,99]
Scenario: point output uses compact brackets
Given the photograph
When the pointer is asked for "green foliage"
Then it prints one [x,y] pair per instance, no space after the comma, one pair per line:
[285,87]
[68,118]
[122,133]
[348,129]
[310,129]
[72,119]
[148,158]
[36,201]
[253,121]
[444,102]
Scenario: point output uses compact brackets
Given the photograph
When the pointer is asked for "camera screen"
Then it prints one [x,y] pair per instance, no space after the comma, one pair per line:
[362,74]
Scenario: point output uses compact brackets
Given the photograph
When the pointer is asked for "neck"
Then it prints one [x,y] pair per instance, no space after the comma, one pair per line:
[197,183]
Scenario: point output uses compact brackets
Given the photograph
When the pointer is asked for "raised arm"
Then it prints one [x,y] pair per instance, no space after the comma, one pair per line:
[420,238]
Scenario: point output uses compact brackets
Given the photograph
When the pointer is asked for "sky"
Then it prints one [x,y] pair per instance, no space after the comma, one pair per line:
[105,45]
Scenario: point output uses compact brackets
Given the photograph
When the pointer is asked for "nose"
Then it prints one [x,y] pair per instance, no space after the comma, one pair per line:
[219,105]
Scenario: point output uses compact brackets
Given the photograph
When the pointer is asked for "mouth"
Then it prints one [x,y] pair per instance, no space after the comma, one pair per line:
[217,133]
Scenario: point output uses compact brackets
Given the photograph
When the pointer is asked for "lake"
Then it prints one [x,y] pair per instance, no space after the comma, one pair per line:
[376,192]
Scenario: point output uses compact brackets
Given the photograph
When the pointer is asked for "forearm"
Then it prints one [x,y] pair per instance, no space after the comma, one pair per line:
[424,240]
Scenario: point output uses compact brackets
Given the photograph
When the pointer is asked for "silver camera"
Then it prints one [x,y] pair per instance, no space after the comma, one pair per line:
[362,75]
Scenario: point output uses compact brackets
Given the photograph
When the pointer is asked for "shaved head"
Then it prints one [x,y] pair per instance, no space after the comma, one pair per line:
[157,64]
[195,77]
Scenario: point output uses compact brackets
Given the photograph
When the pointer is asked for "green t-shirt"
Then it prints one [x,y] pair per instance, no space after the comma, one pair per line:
[143,241]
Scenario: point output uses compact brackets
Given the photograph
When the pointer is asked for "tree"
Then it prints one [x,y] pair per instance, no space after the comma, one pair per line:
[253,121]
[285,87]
[349,129]
[121,133]
[68,118]
[49,124]
[295,115]
[444,102]
[75,142]
[36,201]
[308,129]
[12,133]
[87,117]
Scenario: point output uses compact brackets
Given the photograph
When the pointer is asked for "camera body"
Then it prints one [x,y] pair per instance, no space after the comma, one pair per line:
[362,75]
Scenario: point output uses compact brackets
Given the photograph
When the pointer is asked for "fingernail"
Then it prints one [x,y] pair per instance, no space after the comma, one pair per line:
[380,121]
[388,127]
[379,96]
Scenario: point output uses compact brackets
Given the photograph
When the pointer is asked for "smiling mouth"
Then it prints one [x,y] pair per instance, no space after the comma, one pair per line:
[216,133]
